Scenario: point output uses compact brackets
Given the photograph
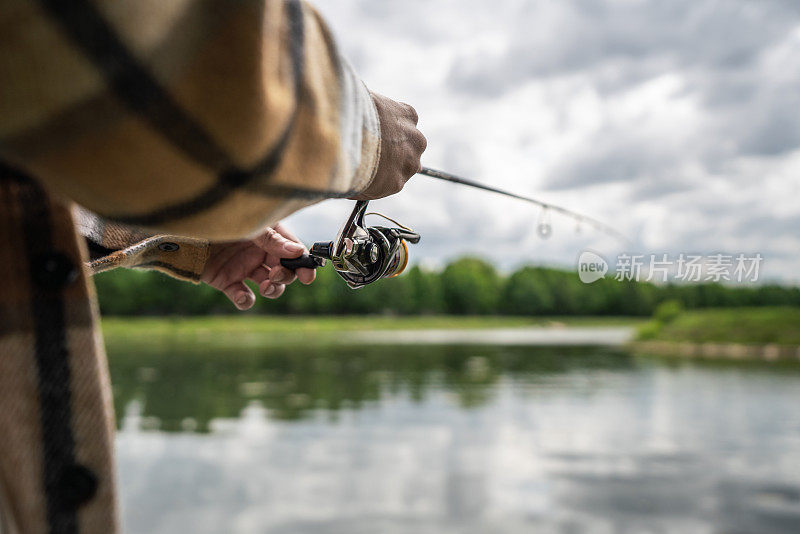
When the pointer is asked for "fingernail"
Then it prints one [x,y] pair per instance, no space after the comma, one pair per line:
[291,246]
[269,291]
[242,300]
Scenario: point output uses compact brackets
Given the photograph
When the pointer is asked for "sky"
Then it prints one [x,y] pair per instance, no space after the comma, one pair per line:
[675,122]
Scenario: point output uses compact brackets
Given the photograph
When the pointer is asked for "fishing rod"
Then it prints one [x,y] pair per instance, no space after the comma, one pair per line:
[578,217]
[363,254]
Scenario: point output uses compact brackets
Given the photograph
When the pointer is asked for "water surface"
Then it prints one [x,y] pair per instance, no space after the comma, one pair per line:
[453,439]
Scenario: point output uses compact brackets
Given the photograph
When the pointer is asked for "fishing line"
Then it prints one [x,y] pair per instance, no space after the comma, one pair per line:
[544,228]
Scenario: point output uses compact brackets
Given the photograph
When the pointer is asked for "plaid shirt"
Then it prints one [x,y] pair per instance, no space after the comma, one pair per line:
[170,123]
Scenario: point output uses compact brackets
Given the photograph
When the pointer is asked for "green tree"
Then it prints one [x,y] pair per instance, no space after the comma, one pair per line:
[526,292]
[426,290]
[470,287]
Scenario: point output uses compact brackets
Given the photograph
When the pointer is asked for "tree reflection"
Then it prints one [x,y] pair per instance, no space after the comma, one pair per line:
[176,383]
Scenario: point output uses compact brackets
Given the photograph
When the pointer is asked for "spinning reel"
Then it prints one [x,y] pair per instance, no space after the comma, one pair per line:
[361,254]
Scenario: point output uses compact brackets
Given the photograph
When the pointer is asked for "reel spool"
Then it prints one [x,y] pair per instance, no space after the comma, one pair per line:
[362,254]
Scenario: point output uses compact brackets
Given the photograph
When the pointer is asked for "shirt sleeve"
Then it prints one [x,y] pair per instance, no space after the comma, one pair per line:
[112,245]
[201,118]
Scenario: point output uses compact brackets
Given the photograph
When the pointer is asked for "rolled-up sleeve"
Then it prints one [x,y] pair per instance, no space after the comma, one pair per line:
[112,245]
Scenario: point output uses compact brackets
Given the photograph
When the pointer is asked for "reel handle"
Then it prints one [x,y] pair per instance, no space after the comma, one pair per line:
[306,261]
[408,235]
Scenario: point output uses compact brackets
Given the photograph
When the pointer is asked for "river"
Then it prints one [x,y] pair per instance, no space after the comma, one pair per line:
[453,438]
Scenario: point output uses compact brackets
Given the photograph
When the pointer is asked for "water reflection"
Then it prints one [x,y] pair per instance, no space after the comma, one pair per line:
[454,439]
[184,388]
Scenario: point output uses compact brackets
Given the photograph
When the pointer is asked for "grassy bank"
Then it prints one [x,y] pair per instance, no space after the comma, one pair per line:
[745,326]
[260,329]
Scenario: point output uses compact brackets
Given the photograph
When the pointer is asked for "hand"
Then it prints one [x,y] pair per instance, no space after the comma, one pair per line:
[258,259]
[402,145]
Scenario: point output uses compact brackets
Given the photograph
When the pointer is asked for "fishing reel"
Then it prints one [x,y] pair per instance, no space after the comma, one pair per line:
[361,254]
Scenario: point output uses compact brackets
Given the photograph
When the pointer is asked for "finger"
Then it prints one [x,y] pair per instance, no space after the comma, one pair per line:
[411,113]
[419,141]
[281,275]
[240,295]
[237,268]
[412,163]
[217,260]
[259,274]
[306,276]
[272,242]
[410,167]
[271,291]
[288,234]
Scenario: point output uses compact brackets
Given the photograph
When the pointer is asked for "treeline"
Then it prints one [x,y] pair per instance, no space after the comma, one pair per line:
[467,286]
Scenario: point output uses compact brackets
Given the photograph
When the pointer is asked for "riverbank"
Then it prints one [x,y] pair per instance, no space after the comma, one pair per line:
[261,330]
[734,333]
[771,333]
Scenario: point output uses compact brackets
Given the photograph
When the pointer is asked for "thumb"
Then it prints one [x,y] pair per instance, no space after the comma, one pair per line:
[271,242]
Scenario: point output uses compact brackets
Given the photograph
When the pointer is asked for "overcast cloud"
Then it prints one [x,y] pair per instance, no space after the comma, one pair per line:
[674,121]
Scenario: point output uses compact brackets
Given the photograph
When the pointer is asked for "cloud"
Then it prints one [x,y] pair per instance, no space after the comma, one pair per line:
[740,61]
[674,121]
[546,39]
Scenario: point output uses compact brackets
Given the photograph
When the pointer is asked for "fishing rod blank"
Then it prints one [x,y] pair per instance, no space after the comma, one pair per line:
[452,178]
